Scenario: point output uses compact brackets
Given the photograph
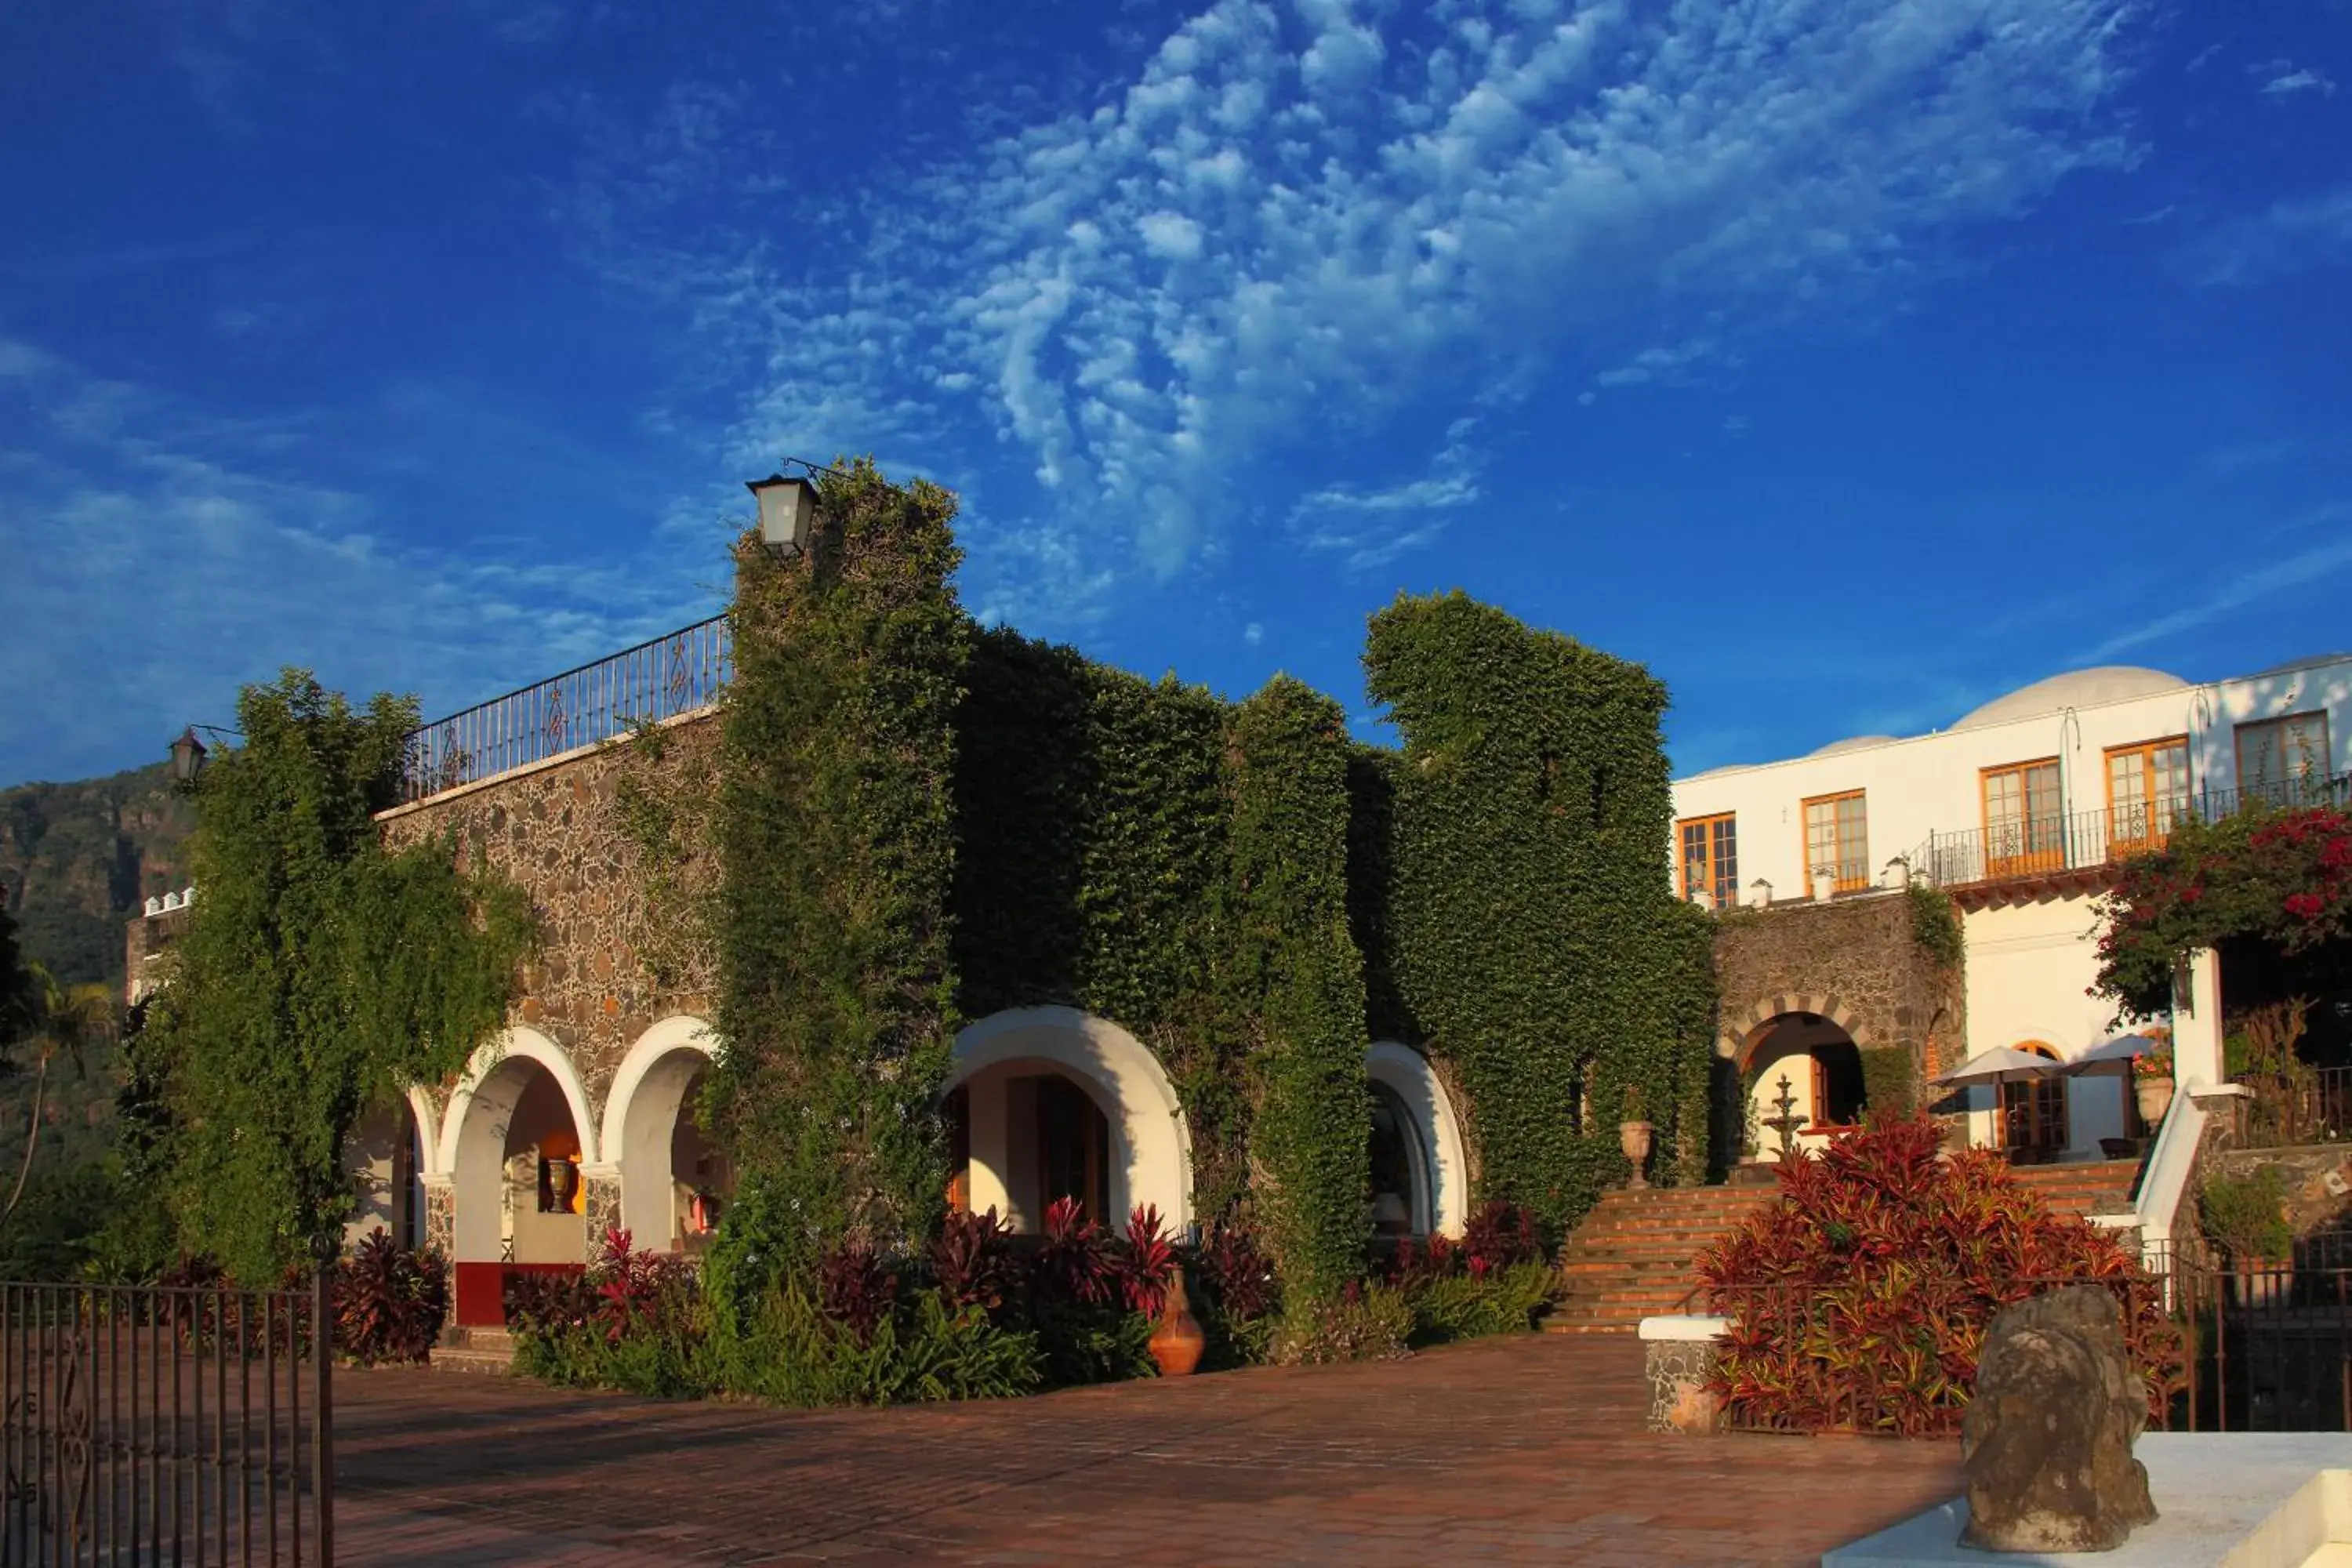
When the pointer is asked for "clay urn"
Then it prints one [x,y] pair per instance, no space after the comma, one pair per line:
[1633,1138]
[1176,1343]
[2154,1097]
[562,1178]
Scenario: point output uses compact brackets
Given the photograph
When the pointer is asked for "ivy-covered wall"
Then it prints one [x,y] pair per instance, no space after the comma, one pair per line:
[1513,899]
[901,822]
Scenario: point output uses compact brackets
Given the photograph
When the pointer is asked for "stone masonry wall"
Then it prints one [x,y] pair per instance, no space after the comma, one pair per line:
[1853,960]
[558,831]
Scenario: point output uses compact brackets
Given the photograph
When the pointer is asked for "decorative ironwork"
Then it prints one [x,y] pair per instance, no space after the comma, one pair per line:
[165,1424]
[2050,845]
[657,680]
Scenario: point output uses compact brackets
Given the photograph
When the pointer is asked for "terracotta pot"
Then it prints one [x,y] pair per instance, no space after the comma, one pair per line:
[562,1179]
[1176,1343]
[1633,1138]
[2155,1096]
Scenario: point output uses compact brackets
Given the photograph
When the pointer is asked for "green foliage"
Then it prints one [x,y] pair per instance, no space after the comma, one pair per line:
[319,974]
[1374,1323]
[17,990]
[1889,1083]
[1297,956]
[2246,1216]
[1471,1306]
[1525,928]
[835,840]
[1935,926]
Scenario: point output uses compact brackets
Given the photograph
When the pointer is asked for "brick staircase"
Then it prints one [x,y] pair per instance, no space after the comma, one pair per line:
[1632,1257]
[481,1352]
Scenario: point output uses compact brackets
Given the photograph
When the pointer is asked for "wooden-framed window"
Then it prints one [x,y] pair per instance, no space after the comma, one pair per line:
[2284,761]
[1837,842]
[2033,1112]
[2147,792]
[1710,860]
[2024,819]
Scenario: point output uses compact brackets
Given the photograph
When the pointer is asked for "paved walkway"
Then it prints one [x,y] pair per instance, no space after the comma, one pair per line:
[1520,1451]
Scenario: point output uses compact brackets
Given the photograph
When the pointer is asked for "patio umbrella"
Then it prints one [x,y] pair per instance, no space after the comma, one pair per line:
[2113,1056]
[2002,1064]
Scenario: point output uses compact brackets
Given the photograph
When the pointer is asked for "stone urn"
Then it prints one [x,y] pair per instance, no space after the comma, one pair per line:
[1176,1343]
[1633,1138]
[562,1180]
[2154,1097]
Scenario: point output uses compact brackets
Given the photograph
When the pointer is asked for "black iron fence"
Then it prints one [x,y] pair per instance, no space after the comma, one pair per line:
[164,1425]
[2042,844]
[2267,1347]
[655,681]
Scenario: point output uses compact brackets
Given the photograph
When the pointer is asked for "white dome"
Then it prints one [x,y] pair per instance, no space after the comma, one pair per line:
[2076,689]
[1851,744]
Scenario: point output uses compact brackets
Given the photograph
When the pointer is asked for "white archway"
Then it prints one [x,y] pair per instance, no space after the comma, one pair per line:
[428,1131]
[1150,1146]
[474,1131]
[641,1117]
[1442,1166]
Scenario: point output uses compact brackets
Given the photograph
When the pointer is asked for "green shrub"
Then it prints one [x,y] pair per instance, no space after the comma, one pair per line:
[1889,1083]
[2246,1216]
[1371,1322]
[1469,1307]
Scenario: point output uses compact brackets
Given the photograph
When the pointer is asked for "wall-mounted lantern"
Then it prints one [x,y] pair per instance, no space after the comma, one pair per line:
[187,756]
[787,510]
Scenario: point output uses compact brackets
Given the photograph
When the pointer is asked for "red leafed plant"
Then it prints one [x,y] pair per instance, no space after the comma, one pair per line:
[1148,1261]
[855,1287]
[630,1284]
[972,1263]
[1498,1235]
[389,1302]
[1238,1275]
[1859,1298]
[1075,1261]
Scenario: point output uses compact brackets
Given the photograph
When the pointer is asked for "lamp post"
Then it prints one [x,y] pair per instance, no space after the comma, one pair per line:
[187,756]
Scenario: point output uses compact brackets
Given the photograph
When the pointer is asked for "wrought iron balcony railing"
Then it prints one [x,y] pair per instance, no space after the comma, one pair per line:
[2046,845]
[646,684]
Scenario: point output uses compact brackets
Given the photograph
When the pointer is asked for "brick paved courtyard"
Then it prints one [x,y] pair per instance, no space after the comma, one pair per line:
[1519,1451]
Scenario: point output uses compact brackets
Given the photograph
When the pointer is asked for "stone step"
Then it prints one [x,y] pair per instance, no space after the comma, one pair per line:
[479,1363]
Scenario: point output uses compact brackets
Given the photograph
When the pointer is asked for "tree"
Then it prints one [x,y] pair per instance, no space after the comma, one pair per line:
[319,974]
[67,1022]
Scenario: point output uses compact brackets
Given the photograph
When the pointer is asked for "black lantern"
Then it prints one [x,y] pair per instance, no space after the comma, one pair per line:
[187,756]
[787,508]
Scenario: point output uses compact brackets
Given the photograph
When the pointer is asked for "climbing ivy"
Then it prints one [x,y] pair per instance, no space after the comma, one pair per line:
[1935,926]
[1297,959]
[1525,928]
[835,833]
[319,974]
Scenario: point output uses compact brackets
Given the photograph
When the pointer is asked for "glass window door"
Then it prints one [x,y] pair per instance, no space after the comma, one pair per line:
[2025,819]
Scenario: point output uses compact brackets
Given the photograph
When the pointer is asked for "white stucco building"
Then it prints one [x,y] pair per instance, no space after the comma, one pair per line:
[2021,810]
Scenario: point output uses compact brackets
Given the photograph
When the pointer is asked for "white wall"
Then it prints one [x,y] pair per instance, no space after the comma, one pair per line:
[1932,783]
[2030,968]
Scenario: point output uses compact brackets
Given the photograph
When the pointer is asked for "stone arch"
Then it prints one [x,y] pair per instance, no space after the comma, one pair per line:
[1737,1043]
[641,1112]
[1151,1158]
[473,1131]
[1443,1204]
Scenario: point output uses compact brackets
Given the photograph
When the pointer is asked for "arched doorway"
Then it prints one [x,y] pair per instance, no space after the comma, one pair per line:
[2034,1112]
[1817,1064]
[1419,1176]
[386,1155]
[674,1180]
[517,1136]
[1046,1104]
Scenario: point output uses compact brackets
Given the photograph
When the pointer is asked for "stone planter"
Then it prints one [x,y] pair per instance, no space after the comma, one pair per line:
[1678,1356]
[1633,1138]
[2154,1097]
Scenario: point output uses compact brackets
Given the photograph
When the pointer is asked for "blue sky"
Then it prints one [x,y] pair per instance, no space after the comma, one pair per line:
[1847,361]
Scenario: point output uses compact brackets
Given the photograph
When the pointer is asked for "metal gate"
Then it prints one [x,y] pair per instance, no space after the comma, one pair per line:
[165,1425]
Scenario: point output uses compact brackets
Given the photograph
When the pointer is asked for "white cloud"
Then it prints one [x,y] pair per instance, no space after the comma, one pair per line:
[2286,237]
[1252,633]
[1399,214]
[234,564]
[2285,80]
[2240,590]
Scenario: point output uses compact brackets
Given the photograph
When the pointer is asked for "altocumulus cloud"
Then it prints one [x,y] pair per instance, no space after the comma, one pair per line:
[1291,218]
